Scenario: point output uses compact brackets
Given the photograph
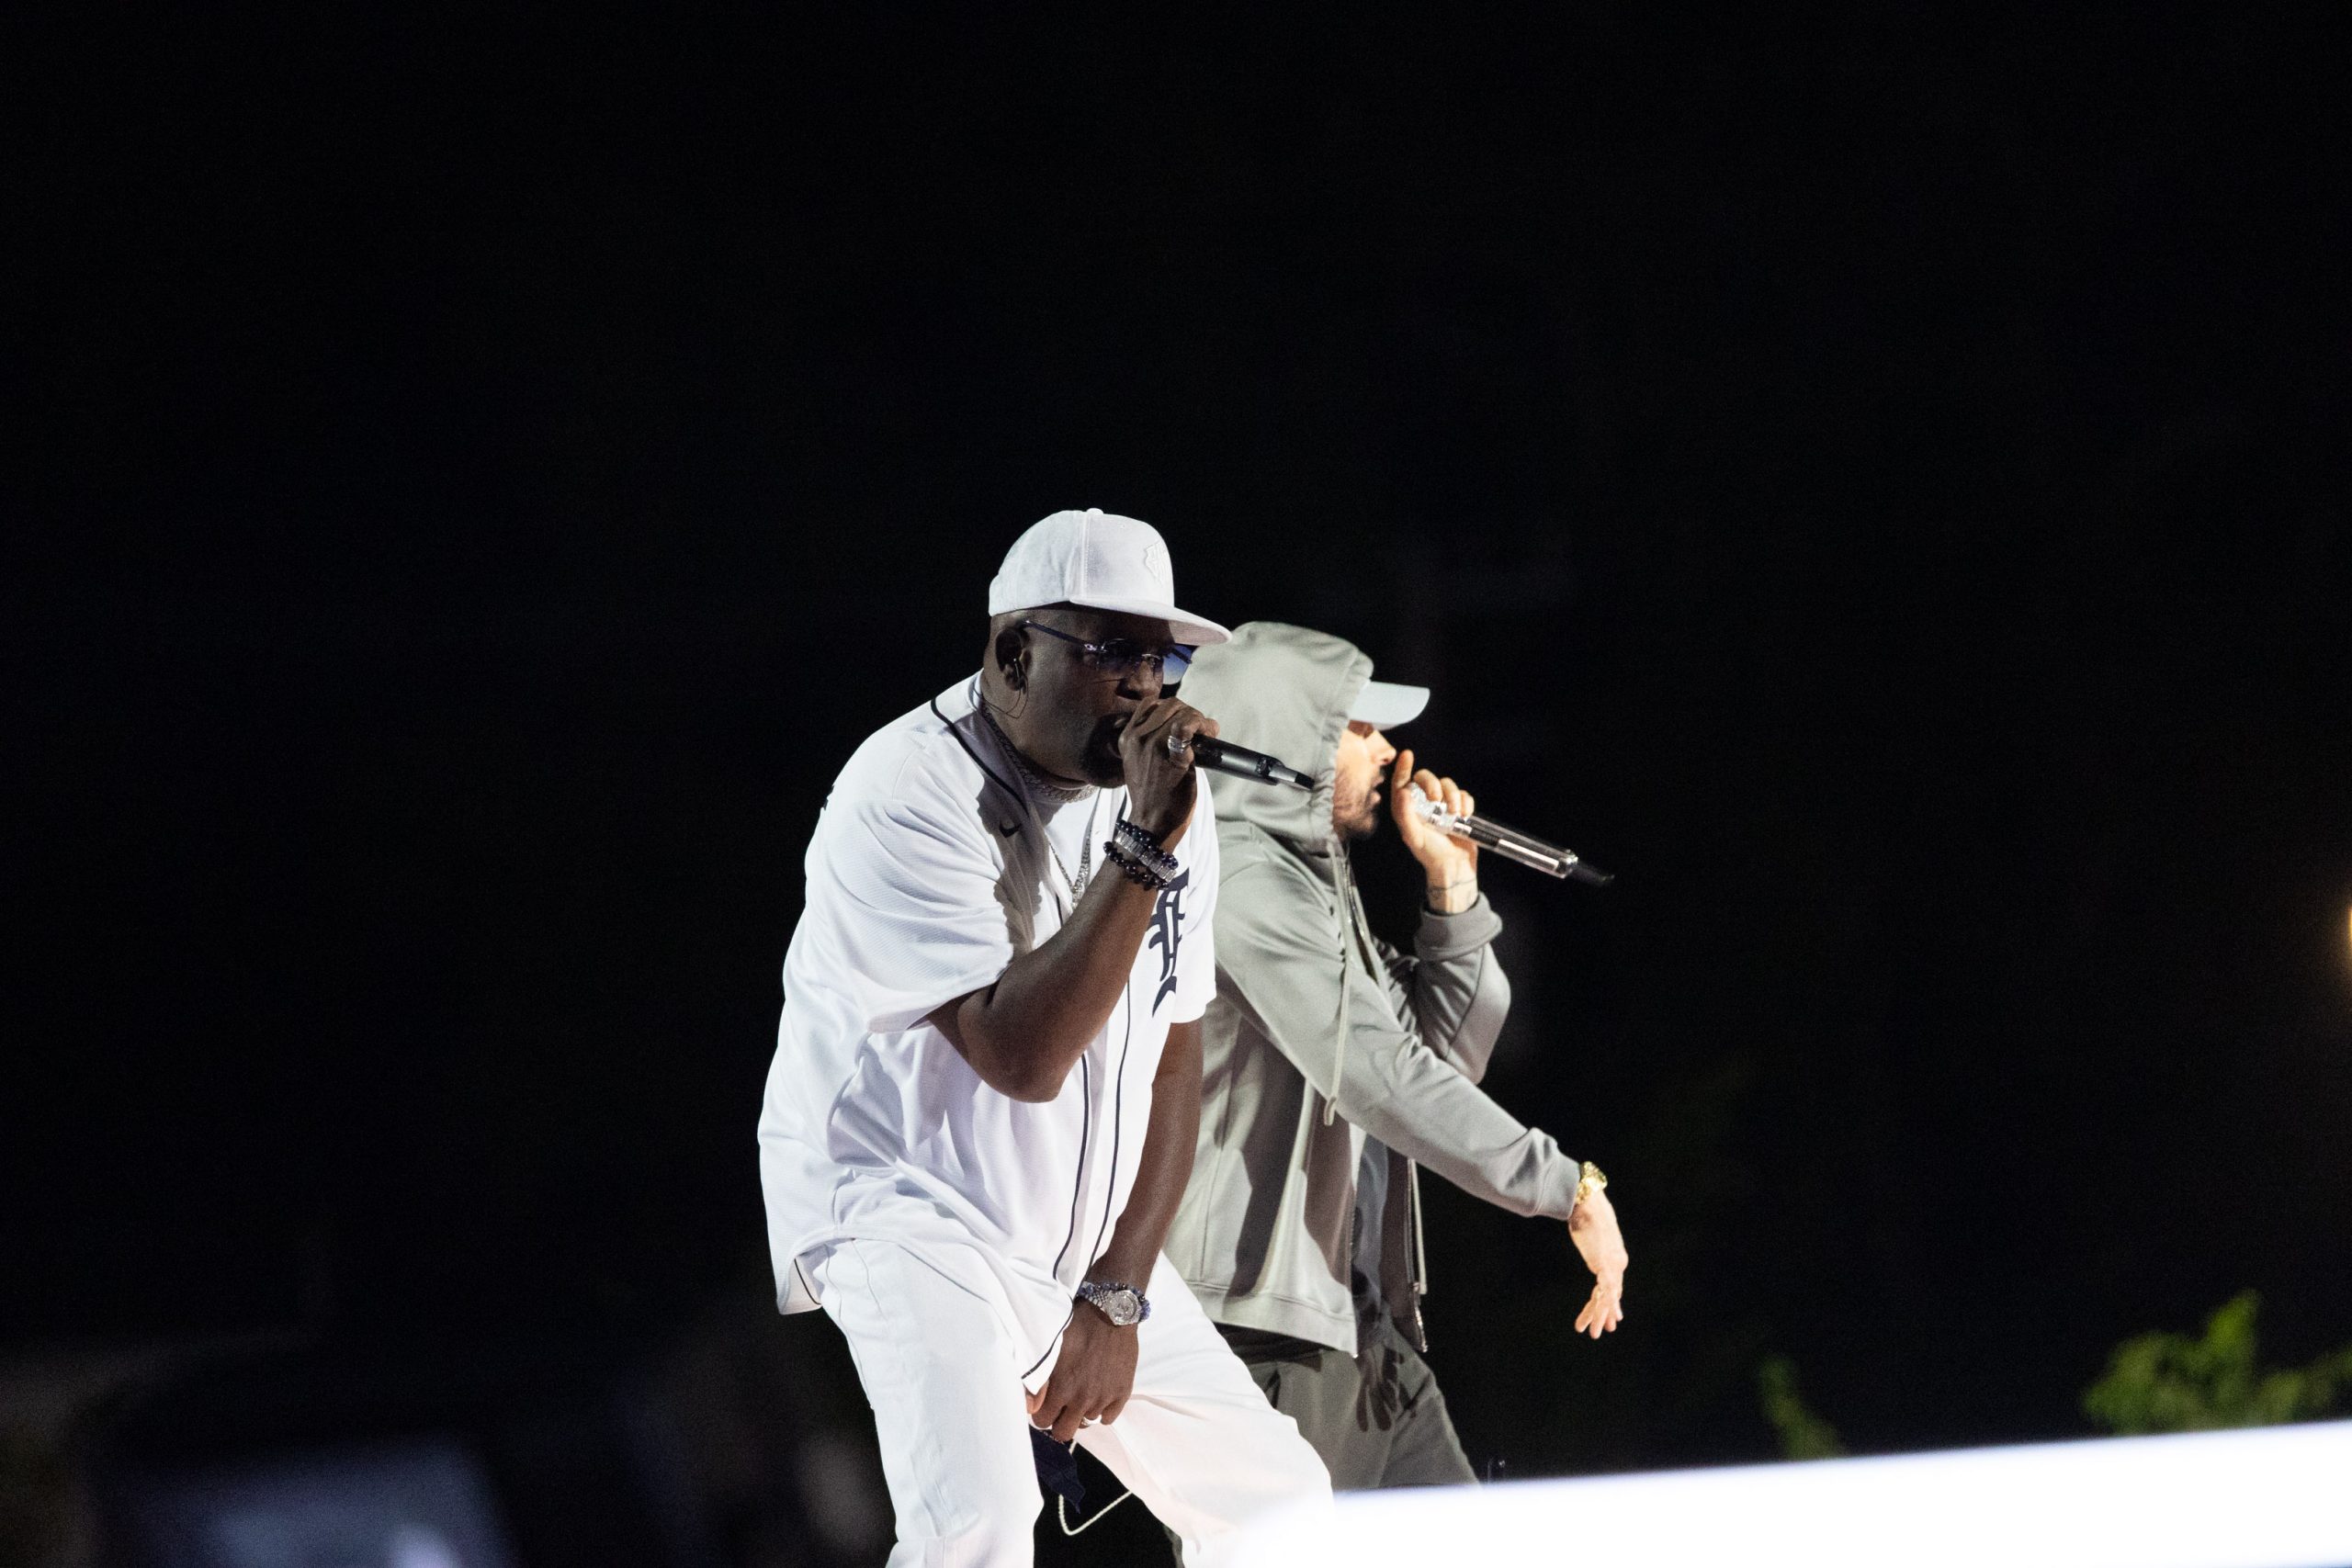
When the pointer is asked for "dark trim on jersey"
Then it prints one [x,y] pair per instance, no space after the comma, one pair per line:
[1078,1183]
[1118,1108]
[1051,1343]
[1086,1076]
[994,777]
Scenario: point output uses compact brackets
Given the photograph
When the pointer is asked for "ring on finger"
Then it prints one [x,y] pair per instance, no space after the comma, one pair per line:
[1179,744]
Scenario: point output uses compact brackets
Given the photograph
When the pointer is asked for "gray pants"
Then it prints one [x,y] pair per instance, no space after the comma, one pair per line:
[1376,1417]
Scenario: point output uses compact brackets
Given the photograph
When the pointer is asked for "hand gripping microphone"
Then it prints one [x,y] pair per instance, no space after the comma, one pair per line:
[1507,843]
[1239,760]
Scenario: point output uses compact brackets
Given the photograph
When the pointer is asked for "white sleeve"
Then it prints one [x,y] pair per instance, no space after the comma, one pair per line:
[1196,956]
[913,908]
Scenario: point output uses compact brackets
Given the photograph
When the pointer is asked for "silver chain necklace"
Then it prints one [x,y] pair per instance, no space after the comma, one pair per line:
[1036,783]
[1085,855]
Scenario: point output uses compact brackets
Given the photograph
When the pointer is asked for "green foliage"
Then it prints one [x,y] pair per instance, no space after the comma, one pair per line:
[1804,1434]
[2171,1382]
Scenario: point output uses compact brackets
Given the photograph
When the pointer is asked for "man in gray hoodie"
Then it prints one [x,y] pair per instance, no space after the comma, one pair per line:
[1334,1066]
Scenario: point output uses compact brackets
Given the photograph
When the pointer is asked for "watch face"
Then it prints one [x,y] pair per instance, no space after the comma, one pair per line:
[1122,1306]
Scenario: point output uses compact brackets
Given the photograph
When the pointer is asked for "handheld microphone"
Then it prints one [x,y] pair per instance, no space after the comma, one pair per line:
[1507,843]
[1239,760]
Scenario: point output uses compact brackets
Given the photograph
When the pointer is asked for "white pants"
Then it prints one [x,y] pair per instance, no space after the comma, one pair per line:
[1197,1443]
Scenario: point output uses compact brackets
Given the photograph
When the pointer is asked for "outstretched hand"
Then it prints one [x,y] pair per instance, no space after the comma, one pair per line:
[1593,1227]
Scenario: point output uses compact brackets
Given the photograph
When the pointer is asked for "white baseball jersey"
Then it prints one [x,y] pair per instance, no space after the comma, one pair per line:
[931,870]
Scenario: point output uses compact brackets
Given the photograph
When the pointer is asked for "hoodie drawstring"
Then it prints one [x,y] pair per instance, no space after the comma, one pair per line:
[1343,876]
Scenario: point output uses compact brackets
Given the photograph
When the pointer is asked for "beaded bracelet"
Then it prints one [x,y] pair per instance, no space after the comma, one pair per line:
[1116,851]
[1138,870]
[1140,833]
[1147,846]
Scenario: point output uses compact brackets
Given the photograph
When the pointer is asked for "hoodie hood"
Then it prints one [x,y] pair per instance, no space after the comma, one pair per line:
[1285,691]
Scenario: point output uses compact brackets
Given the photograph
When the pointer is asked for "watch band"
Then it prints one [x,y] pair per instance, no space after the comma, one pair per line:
[1589,1181]
[1102,1296]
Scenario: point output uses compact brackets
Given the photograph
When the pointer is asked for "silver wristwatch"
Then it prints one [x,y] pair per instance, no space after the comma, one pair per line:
[1124,1304]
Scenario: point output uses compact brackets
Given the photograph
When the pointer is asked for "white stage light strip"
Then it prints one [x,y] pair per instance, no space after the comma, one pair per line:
[2277,1498]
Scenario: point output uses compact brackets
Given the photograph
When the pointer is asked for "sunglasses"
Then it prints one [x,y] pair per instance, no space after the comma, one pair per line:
[1123,657]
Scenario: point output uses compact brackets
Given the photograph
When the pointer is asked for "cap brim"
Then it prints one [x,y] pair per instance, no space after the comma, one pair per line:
[1188,629]
[1383,703]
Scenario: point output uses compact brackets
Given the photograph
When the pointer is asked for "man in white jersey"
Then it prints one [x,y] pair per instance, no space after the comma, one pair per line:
[986,1091]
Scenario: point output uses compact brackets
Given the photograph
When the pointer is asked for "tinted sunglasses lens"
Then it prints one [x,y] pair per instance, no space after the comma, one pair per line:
[1178,659]
[1117,656]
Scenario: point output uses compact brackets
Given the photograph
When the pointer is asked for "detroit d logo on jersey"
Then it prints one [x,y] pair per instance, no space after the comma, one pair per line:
[1168,932]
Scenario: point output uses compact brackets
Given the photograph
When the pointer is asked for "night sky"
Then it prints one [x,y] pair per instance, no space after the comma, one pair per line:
[1873,480]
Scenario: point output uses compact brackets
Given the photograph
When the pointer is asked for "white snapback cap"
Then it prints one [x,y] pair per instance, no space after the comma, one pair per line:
[1101,560]
[1385,704]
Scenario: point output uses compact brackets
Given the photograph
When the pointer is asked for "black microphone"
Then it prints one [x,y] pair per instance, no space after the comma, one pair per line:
[1240,762]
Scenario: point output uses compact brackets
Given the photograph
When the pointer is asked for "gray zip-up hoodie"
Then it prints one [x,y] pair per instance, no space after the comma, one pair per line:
[1314,1016]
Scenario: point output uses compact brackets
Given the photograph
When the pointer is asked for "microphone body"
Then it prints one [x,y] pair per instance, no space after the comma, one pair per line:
[1243,763]
[1509,842]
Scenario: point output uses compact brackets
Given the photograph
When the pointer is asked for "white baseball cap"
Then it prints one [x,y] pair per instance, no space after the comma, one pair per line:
[1383,703]
[1101,560]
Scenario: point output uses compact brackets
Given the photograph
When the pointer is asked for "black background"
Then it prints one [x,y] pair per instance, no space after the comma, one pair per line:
[1872,478]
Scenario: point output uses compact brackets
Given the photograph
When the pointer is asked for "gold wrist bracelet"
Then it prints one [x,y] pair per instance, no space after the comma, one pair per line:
[1591,1181]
